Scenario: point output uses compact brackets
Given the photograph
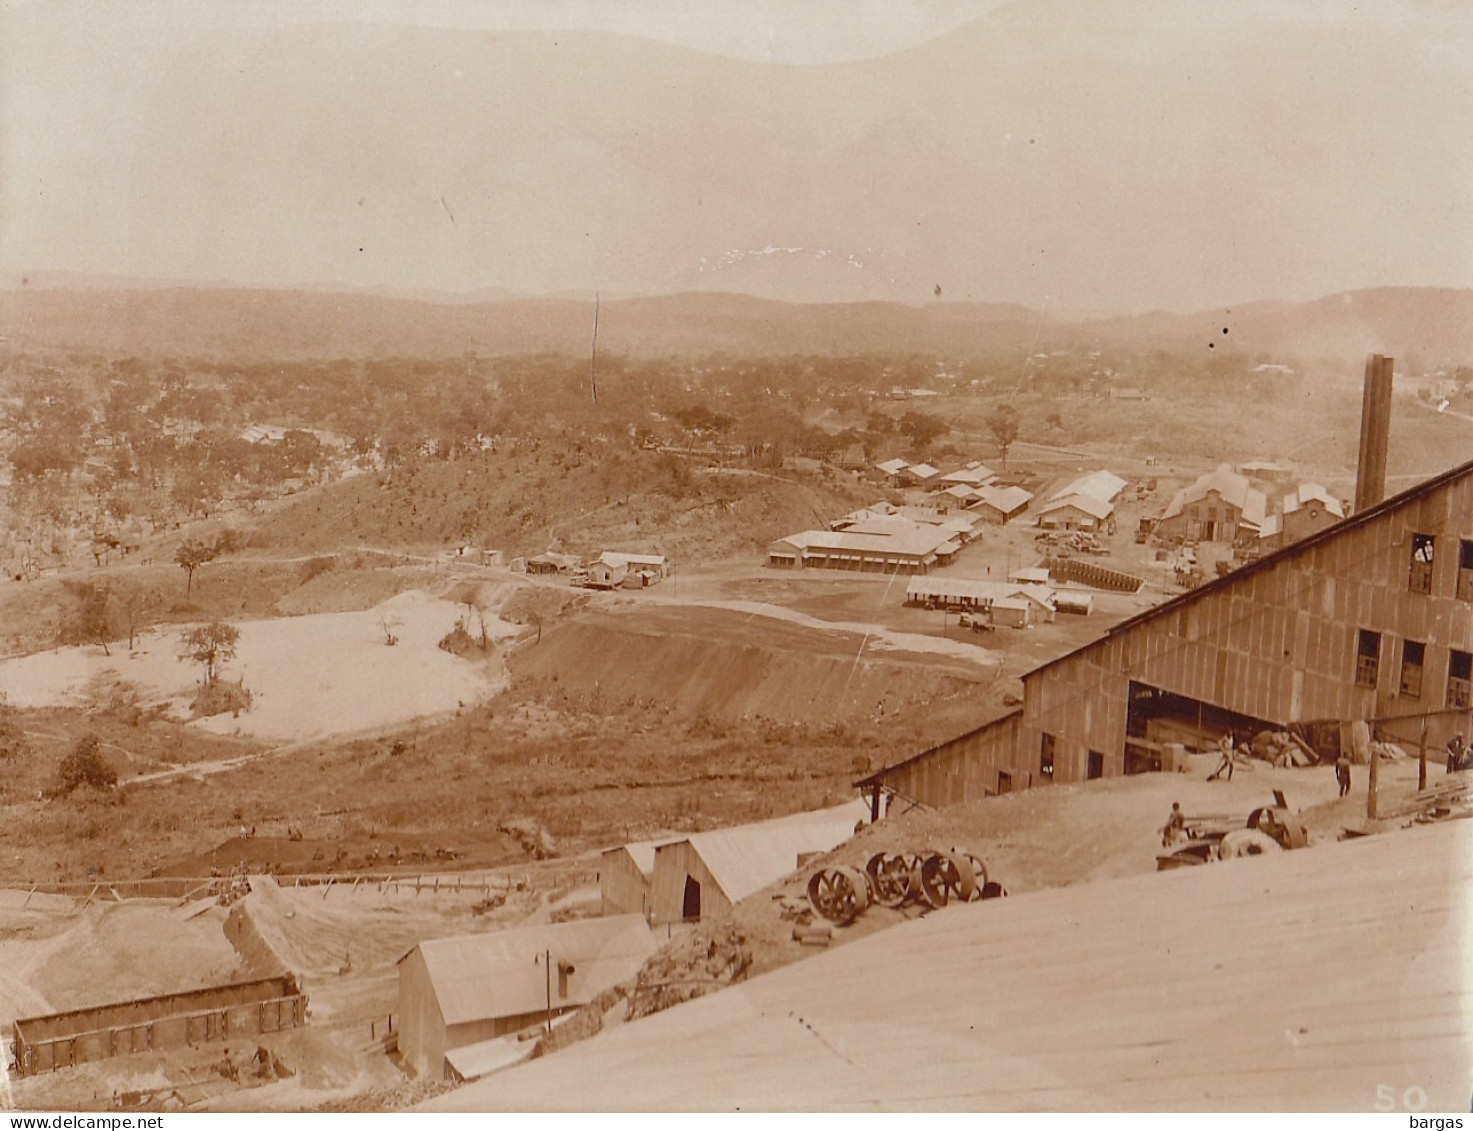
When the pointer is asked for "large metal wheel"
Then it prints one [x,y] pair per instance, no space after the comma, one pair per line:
[892,878]
[947,877]
[979,874]
[840,895]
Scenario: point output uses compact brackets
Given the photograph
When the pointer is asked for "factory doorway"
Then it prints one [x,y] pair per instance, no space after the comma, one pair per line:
[690,907]
[1160,724]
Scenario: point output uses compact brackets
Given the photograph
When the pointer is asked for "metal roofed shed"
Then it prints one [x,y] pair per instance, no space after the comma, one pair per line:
[878,544]
[704,874]
[467,989]
[1102,485]
[1075,512]
[969,593]
[974,475]
[999,504]
[624,874]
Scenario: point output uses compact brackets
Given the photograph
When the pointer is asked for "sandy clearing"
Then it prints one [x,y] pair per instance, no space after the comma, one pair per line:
[312,676]
[54,959]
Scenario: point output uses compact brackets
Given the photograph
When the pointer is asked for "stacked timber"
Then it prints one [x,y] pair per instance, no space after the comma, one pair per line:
[1280,748]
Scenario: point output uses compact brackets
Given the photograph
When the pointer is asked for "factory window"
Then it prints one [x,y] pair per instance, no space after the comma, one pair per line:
[1465,571]
[1046,757]
[1096,765]
[1459,679]
[1420,578]
[1412,655]
[1367,657]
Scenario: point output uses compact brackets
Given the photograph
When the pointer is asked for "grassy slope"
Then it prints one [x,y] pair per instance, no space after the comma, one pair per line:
[524,498]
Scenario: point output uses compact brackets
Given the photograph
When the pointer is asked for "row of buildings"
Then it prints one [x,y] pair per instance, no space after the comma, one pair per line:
[883,538]
[612,569]
[1367,619]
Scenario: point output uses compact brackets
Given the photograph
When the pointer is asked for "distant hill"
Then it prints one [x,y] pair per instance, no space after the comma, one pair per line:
[1435,325]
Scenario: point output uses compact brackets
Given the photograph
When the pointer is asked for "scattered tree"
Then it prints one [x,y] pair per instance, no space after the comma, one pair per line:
[191,555]
[922,428]
[212,646]
[85,766]
[138,606]
[92,624]
[1003,423]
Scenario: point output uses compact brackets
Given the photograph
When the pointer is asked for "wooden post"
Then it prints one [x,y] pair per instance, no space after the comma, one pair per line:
[1422,758]
[1371,788]
[547,963]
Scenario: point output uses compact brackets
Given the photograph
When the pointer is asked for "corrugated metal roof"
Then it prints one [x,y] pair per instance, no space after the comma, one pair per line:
[642,852]
[618,558]
[1232,487]
[748,858]
[500,973]
[1005,499]
[1102,485]
[913,539]
[1310,492]
[1088,504]
[921,587]
[892,466]
[973,476]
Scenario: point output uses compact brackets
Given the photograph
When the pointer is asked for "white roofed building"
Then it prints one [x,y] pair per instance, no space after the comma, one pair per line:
[1075,512]
[1221,506]
[464,990]
[1102,485]
[999,504]
[704,874]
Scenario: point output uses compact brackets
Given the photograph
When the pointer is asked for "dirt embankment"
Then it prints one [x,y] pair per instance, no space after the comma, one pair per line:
[726,665]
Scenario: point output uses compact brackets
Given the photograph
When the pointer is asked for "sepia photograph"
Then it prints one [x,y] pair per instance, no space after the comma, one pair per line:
[681,556]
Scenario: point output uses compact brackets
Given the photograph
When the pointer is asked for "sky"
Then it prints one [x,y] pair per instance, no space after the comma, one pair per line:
[1073,157]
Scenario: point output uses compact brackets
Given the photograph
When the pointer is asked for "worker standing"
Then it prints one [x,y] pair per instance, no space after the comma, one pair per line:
[1342,774]
[1176,826]
[1455,751]
[1225,748]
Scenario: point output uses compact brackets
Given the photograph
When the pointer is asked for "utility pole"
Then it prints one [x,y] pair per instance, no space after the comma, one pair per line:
[1422,758]
[593,353]
[1371,789]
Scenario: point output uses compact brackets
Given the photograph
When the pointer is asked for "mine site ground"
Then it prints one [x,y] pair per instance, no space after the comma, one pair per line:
[398,792]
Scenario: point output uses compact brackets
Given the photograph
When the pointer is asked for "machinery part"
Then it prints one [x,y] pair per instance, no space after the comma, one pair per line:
[1287,830]
[839,894]
[1246,842]
[893,878]
[979,874]
[1191,854]
[947,876]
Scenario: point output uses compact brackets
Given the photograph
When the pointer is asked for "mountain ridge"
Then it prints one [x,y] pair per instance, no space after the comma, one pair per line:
[1433,323]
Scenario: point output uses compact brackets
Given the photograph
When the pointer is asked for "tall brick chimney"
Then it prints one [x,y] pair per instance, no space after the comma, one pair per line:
[1375,431]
